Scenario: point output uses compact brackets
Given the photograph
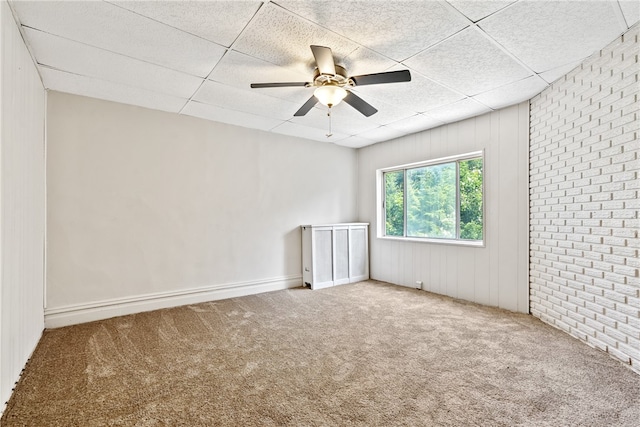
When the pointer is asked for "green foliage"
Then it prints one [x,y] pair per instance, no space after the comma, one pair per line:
[394,203]
[471,199]
[431,201]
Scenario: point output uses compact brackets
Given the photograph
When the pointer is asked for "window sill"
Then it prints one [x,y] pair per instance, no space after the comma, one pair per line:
[468,243]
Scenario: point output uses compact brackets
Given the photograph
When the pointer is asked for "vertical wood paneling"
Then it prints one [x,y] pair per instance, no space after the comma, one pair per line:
[452,271]
[508,208]
[492,200]
[436,285]
[466,276]
[523,208]
[481,272]
[494,275]
[22,203]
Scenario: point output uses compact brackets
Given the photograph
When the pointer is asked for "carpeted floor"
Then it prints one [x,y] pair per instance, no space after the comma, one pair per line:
[368,354]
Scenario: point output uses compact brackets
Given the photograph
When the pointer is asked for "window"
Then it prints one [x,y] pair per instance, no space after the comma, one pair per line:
[439,200]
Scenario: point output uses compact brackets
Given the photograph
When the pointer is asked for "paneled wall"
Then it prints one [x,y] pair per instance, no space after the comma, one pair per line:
[149,209]
[584,201]
[495,275]
[22,203]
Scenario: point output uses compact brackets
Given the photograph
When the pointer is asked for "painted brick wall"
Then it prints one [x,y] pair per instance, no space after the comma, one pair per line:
[584,201]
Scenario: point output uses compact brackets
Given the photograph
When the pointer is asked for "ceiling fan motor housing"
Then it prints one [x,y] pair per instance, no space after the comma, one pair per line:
[338,79]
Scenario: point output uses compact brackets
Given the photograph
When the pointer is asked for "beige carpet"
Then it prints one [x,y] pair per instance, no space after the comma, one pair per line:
[368,354]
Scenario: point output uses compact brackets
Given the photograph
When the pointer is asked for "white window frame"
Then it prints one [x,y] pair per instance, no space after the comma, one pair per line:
[380,197]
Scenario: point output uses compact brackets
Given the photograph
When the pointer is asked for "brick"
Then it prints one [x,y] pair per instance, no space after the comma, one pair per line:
[594,326]
[591,291]
[626,119]
[626,252]
[633,262]
[578,334]
[584,201]
[628,233]
[625,176]
[616,315]
[619,355]
[596,343]
[625,271]
[625,195]
[632,351]
[632,204]
[562,325]
[606,321]
[614,259]
[623,214]
[634,322]
[612,295]
[629,331]
[614,168]
[615,334]
[611,342]
[603,284]
[612,205]
[596,227]
[634,300]
[615,278]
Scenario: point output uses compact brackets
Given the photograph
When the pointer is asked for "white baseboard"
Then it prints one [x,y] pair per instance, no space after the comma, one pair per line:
[57,317]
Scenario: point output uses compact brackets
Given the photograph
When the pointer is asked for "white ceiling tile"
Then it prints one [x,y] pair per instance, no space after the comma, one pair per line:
[344,119]
[364,61]
[355,142]
[294,129]
[223,115]
[249,101]
[512,93]
[282,38]
[476,10]
[414,124]
[554,74]
[386,112]
[217,21]
[156,54]
[630,10]
[240,70]
[397,29]
[548,34]
[382,133]
[420,94]
[110,27]
[458,111]
[101,89]
[77,58]
[468,62]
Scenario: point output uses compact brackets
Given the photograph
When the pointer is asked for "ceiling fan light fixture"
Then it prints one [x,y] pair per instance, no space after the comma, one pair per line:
[330,95]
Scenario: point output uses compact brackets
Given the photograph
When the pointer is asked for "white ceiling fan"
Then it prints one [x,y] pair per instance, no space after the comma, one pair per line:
[333,84]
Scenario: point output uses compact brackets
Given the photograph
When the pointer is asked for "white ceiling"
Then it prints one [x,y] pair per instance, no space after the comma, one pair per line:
[199,57]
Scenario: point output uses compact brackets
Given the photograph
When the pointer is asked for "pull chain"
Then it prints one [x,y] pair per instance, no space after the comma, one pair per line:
[329,135]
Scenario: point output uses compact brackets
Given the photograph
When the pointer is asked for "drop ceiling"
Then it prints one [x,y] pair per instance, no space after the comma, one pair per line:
[198,58]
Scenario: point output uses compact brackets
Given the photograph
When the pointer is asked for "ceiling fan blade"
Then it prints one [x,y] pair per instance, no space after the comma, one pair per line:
[324,60]
[283,84]
[306,107]
[388,77]
[359,104]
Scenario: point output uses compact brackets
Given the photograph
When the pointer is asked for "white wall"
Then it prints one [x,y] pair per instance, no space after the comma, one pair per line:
[495,275]
[22,208]
[584,201]
[149,209]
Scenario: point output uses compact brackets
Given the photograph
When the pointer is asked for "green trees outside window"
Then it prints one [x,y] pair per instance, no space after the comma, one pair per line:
[441,201]
[394,203]
[471,199]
